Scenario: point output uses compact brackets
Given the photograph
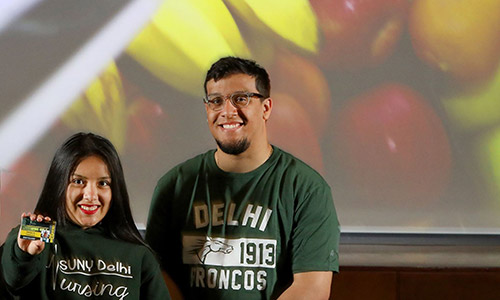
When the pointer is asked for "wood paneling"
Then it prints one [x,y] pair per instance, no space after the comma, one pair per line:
[373,285]
[449,284]
[383,283]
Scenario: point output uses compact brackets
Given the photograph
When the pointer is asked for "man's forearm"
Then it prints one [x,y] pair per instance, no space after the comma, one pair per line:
[309,285]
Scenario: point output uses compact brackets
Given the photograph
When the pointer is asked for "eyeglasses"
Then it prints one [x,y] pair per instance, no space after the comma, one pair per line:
[238,100]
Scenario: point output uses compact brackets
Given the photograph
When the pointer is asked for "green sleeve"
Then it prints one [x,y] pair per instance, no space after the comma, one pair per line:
[19,267]
[315,236]
[152,284]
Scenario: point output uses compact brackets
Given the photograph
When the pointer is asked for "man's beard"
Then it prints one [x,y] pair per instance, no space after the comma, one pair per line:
[234,148]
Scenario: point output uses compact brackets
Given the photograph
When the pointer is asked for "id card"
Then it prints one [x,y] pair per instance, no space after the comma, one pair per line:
[33,230]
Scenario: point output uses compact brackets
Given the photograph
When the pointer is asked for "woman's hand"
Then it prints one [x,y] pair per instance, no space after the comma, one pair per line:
[33,247]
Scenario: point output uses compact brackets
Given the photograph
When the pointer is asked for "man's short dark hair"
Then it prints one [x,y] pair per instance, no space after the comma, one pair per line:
[230,65]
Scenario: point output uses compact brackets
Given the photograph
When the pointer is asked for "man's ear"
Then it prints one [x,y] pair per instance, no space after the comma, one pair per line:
[267,106]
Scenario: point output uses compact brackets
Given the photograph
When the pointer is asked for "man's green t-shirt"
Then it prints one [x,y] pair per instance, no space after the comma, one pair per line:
[227,235]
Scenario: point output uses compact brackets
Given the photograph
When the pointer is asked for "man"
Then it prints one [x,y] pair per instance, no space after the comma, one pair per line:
[247,220]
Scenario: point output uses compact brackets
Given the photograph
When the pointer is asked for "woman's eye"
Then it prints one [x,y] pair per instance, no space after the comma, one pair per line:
[77,181]
[104,183]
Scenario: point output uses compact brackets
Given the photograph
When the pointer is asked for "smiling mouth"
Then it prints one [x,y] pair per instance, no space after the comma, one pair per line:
[89,209]
[231,126]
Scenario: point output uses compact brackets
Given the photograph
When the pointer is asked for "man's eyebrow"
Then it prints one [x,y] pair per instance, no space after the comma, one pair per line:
[219,94]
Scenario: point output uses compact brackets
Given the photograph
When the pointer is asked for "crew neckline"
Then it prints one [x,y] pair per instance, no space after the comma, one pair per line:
[213,165]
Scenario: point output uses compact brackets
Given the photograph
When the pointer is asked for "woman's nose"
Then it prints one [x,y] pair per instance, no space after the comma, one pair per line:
[90,192]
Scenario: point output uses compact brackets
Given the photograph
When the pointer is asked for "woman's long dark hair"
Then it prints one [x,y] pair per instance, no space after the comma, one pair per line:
[52,202]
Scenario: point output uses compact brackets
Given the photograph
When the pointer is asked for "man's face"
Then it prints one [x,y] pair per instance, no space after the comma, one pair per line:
[237,129]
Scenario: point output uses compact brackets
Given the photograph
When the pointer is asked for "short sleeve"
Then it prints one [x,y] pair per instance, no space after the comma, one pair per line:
[316,232]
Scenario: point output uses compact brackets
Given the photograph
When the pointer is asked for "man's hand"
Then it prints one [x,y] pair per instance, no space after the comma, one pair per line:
[309,285]
[33,247]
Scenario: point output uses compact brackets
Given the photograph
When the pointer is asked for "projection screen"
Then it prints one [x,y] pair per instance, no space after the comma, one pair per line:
[396,103]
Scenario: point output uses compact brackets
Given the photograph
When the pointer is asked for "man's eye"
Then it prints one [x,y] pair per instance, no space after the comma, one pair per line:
[240,98]
[216,100]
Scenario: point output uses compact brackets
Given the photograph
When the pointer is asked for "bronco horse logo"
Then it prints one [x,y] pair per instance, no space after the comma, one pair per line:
[212,245]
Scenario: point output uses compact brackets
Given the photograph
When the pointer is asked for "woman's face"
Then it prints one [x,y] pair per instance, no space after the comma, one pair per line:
[88,195]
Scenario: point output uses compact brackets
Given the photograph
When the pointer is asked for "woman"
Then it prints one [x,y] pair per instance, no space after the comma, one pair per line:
[98,252]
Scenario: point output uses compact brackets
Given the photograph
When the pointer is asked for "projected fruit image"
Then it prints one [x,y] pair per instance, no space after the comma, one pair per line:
[101,108]
[147,124]
[19,189]
[291,21]
[459,38]
[290,128]
[298,76]
[395,102]
[476,110]
[184,39]
[392,145]
[488,156]
[357,33]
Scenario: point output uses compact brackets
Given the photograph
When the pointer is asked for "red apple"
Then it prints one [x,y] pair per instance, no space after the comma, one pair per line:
[357,33]
[392,146]
[295,75]
[146,125]
[290,128]
[460,38]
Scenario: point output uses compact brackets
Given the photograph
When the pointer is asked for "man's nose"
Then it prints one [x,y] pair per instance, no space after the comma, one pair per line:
[228,107]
